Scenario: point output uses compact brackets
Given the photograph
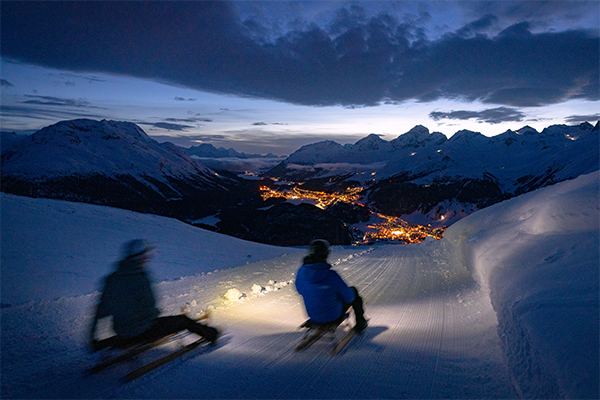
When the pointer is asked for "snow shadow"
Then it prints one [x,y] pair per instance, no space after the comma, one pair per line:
[266,366]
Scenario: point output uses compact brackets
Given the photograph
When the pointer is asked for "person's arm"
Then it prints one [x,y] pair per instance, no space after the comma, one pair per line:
[345,292]
[148,297]
[299,282]
[102,310]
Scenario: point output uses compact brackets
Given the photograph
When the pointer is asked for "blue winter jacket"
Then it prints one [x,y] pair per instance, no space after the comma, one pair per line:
[129,298]
[323,290]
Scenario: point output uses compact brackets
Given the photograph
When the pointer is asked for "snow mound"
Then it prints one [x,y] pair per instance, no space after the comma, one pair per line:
[537,256]
[233,295]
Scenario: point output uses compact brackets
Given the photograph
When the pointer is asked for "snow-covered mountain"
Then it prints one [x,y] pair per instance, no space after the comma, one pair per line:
[109,148]
[118,164]
[108,162]
[422,177]
[209,151]
[513,154]
[425,173]
[8,139]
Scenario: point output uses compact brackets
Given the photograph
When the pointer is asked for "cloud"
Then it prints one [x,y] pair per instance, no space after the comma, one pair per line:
[491,115]
[259,123]
[239,164]
[174,124]
[542,14]
[338,167]
[481,25]
[57,101]
[349,167]
[89,78]
[45,115]
[167,125]
[300,167]
[4,82]
[50,109]
[574,119]
[177,98]
[191,119]
[354,58]
[185,140]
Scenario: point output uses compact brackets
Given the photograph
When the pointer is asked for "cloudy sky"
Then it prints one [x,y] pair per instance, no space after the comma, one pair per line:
[271,76]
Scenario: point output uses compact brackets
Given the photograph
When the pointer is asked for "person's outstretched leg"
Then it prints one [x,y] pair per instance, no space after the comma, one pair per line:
[359,312]
[209,333]
[164,326]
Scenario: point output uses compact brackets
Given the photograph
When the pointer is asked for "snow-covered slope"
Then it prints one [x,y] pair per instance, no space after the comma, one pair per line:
[9,139]
[53,248]
[432,332]
[537,257]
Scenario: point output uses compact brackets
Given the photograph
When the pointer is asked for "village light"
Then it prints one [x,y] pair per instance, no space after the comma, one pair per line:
[392,229]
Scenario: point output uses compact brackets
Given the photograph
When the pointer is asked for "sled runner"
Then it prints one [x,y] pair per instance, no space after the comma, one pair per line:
[132,350]
[163,360]
[316,331]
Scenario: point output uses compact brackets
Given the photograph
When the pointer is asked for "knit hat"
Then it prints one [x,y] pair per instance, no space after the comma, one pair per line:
[318,249]
[136,248]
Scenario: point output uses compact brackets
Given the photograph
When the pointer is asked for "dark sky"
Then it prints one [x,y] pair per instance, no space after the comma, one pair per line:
[503,56]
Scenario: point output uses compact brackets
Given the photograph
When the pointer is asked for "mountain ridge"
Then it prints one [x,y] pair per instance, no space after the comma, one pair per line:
[399,154]
[117,164]
[420,176]
[209,151]
[112,163]
[425,173]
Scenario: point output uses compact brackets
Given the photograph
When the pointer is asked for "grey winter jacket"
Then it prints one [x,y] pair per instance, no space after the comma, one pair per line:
[129,298]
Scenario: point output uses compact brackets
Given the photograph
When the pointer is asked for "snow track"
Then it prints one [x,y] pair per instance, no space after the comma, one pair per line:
[431,334]
[432,330]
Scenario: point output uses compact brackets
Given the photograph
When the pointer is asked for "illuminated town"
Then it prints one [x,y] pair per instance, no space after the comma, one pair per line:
[387,229]
[321,199]
[397,230]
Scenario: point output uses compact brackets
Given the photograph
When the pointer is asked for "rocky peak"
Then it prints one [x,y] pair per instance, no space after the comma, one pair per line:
[417,137]
[371,142]
[527,130]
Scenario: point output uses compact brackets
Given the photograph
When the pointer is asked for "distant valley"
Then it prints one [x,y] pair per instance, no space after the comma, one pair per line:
[402,190]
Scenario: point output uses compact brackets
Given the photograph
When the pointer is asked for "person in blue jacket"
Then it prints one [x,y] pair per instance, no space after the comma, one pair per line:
[128,297]
[326,296]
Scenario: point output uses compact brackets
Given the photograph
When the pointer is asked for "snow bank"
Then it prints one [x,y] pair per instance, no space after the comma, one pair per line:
[54,249]
[537,256]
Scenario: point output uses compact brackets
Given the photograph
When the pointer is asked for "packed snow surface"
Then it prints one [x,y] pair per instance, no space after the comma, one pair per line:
[505,306]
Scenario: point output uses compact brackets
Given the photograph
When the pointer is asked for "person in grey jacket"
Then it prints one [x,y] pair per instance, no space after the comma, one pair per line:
[128,296]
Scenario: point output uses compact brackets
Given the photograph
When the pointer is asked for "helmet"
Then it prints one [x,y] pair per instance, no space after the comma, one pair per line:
[319,249]
[137,247]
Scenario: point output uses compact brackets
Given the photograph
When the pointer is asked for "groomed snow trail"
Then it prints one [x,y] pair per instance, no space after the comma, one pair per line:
[432,334]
